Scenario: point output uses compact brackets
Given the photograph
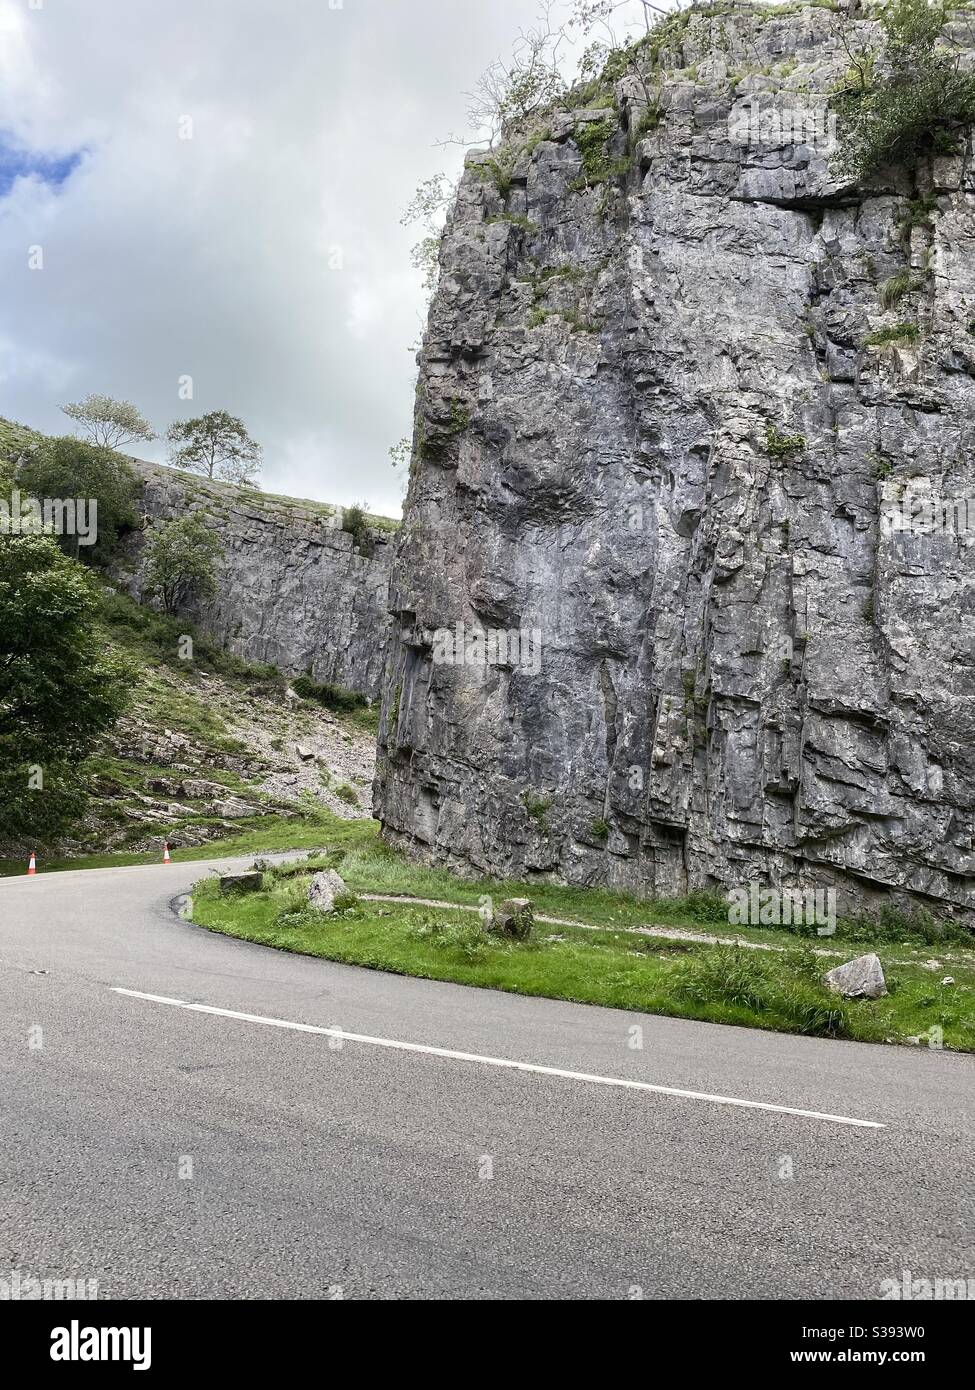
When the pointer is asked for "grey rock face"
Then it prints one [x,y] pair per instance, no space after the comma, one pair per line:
[292,589]
[324,888]
[652,437]
[862,978]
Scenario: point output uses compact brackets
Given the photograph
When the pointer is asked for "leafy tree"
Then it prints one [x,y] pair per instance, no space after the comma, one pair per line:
[70,468]
[428,207]
[333,697]
[59,689]
[513,93]
[355,520]
[109,422]
[401,452]
[216,445]
[909,99]
[181,561]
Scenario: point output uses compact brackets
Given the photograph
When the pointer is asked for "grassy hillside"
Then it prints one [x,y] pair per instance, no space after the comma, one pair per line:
[14,439]
[212,749]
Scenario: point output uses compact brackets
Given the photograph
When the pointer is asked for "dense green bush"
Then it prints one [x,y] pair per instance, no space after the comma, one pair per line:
[898,333]
[706,906]
[909,99]
[779,446]
[70,468]
[59,690]
[356,521]
[181,560]
[333,697]
[893,925]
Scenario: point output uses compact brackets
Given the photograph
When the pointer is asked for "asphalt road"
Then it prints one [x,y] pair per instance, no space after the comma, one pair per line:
[170,1152]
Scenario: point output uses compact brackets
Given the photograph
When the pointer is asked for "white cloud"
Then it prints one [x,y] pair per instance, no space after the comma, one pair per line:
[215,256]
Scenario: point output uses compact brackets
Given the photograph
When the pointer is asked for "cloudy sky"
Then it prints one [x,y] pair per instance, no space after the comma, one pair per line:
[262,256]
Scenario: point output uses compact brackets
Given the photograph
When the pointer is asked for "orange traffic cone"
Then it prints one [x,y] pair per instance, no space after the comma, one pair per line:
[166,858]
[32,866]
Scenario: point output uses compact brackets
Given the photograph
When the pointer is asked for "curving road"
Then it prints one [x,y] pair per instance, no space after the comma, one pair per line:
[185,1152]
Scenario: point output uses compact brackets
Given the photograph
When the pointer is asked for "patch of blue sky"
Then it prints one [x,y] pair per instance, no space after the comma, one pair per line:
[17,162]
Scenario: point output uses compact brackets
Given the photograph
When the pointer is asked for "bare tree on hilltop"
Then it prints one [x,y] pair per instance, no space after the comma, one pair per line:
[107,422]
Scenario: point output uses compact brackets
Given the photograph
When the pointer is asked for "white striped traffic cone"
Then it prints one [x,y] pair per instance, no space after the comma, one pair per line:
[166,858]
[32,866]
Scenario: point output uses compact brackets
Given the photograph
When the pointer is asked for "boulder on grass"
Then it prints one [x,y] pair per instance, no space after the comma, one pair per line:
[513,918]
[862,978]
[240,883]
[324,888]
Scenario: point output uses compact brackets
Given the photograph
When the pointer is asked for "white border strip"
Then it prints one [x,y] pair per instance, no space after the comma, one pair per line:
[621,1082]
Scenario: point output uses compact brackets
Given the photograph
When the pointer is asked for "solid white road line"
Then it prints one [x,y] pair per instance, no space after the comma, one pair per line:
[618,1081]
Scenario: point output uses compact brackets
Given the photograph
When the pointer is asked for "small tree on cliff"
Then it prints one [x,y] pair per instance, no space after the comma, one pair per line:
[181,560]
[216,445]
[428,208]
[912,97]
[109,423]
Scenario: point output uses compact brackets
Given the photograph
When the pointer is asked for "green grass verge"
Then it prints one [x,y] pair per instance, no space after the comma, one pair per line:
[371,866]
[376,868]
[771,990]
[609,966]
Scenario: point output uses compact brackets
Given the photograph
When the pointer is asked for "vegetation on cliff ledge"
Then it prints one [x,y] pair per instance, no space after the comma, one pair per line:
[909,98]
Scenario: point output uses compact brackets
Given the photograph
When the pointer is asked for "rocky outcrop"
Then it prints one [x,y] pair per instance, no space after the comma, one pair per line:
[293,589]
[664,422]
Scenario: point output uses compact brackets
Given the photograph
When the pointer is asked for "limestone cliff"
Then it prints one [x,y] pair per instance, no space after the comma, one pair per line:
[661,411]
[293,588]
